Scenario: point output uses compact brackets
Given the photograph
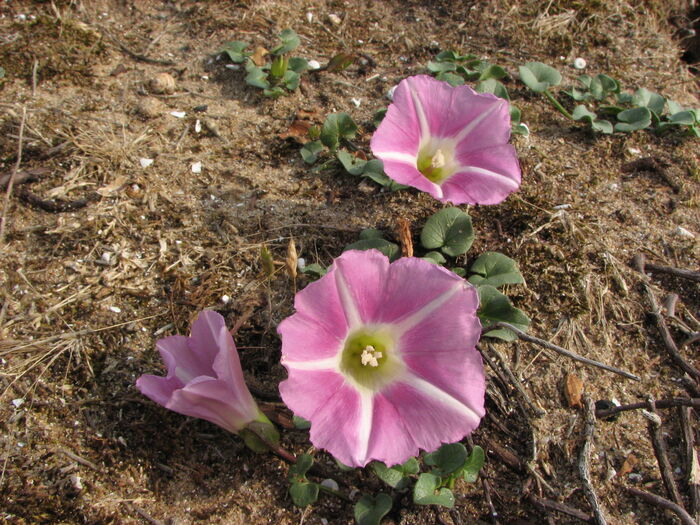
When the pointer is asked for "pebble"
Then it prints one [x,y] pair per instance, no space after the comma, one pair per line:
[145,163]
[150,108]
[330,484]
[580,63]
[314,64]
[178,114]
[682,232]
[335,19]
[197,167]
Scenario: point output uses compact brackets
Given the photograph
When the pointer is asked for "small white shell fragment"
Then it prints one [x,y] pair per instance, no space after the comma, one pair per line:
[225,299]
[76,482]
[309,17]
[356,101]
[314,64]
[301,263]
[198,126]
[234,67]
[115,309]
[330,484]
[18,402]
[335,19]
[178,114]
[106,257]
[197,167]
[580,63]
[390,93]
[562,207]
[682,232]
[634,151]
[145,163]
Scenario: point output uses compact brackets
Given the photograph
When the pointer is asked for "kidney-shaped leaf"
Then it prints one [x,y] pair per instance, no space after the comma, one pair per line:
[495,307]
[447,459]
[450,230]
[633,119]
[473,464]
[538,76]
[495,269]
[370,511]
[426,492]
[337,126]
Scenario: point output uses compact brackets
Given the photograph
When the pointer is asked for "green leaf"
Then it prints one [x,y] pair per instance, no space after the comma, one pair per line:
[577,94]
[493,86]
[279,66]
[473,465]
[515,114]
[633,119]
[580,112]
[314,270]
[290,40]
[435,257]
[396,477]
[303,493]
[624,98]
[491,71]
[602,85]
[447,459]
[371,233]
[2,72]
[300,423]
[256,77]
[495,307]
[235,52]
[389,249]
[451,78]
[447,56]
[378,117]
[337,126]
[520,129]
[495,269]
[684,118]
[353,165]
[298,65]
[538,76]
[426,492]
[648,99]
[339,62]
[459,271]
[449,230]
[274,92]
[674,107]
[310,150]
[441,67]
[373,166]
[301,467]
[370,511]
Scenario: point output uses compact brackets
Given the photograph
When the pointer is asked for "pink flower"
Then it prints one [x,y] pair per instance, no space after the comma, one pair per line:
[381,358]
[204,378]
[451,142]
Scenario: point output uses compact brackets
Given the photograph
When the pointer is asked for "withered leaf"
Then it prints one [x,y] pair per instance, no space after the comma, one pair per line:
[628,465]
[573,389]
[258,56]
[404,231]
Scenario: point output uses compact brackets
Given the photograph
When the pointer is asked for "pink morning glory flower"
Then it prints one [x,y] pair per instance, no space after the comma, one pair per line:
[204,378]
[451,142]
[381,358]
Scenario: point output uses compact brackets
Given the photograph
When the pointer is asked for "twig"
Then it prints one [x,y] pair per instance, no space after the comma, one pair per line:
[639,264]
[54,206]
[659,444]
[78,459]
[548,504]
[508,458]
[584,462]
[551,346]
[662,403]
[22,177]
[145,515]
[679,511]
[138,56]
[35,69]
[537,411]
[692,463]
[8,193]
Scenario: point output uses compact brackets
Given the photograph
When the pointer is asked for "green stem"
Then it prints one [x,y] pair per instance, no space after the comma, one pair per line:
[561,109]
[334,492]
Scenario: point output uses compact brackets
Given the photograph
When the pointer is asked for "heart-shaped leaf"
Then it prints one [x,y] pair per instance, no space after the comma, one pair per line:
[389,249]
[256,77]
[302,466]
[298,64]
[441,67]
[648,99]
[300,423]
[426,492]
[451,78]
[290,40]
[353,165]
[337,126]
[235,52]
[491,71]
[449,230]
[473,465]
[580,112]
[310,151]
[602,85]
[435,257]
[370,511]
[538,76]
[684,118]
[340,62]
[633,119]
[495,269]
[447,459]
[492,85]
[371,233]
[495,307]
[303,493]
[396,476]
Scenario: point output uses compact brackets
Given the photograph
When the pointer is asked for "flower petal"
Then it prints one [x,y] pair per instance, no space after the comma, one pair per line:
[158,389]
[208,337]
[359,275]
[390,441]
[432,416]
[320,303]
[412,284]
[305,391]
[304,339]
[214,401]
[486,176]
[181,361]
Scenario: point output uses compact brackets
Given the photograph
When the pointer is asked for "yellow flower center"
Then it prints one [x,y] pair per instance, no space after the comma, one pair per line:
[369,358]
[436,161]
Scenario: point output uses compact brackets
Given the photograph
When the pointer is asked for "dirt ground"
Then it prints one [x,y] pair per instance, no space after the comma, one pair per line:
[122,255]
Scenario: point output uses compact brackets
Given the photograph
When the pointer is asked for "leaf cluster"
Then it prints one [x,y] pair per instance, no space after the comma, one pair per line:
[276,77]
[458,69]
[334,141]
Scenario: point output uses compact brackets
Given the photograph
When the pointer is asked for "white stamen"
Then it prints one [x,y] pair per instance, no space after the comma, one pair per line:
[438,160]
[370,356]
